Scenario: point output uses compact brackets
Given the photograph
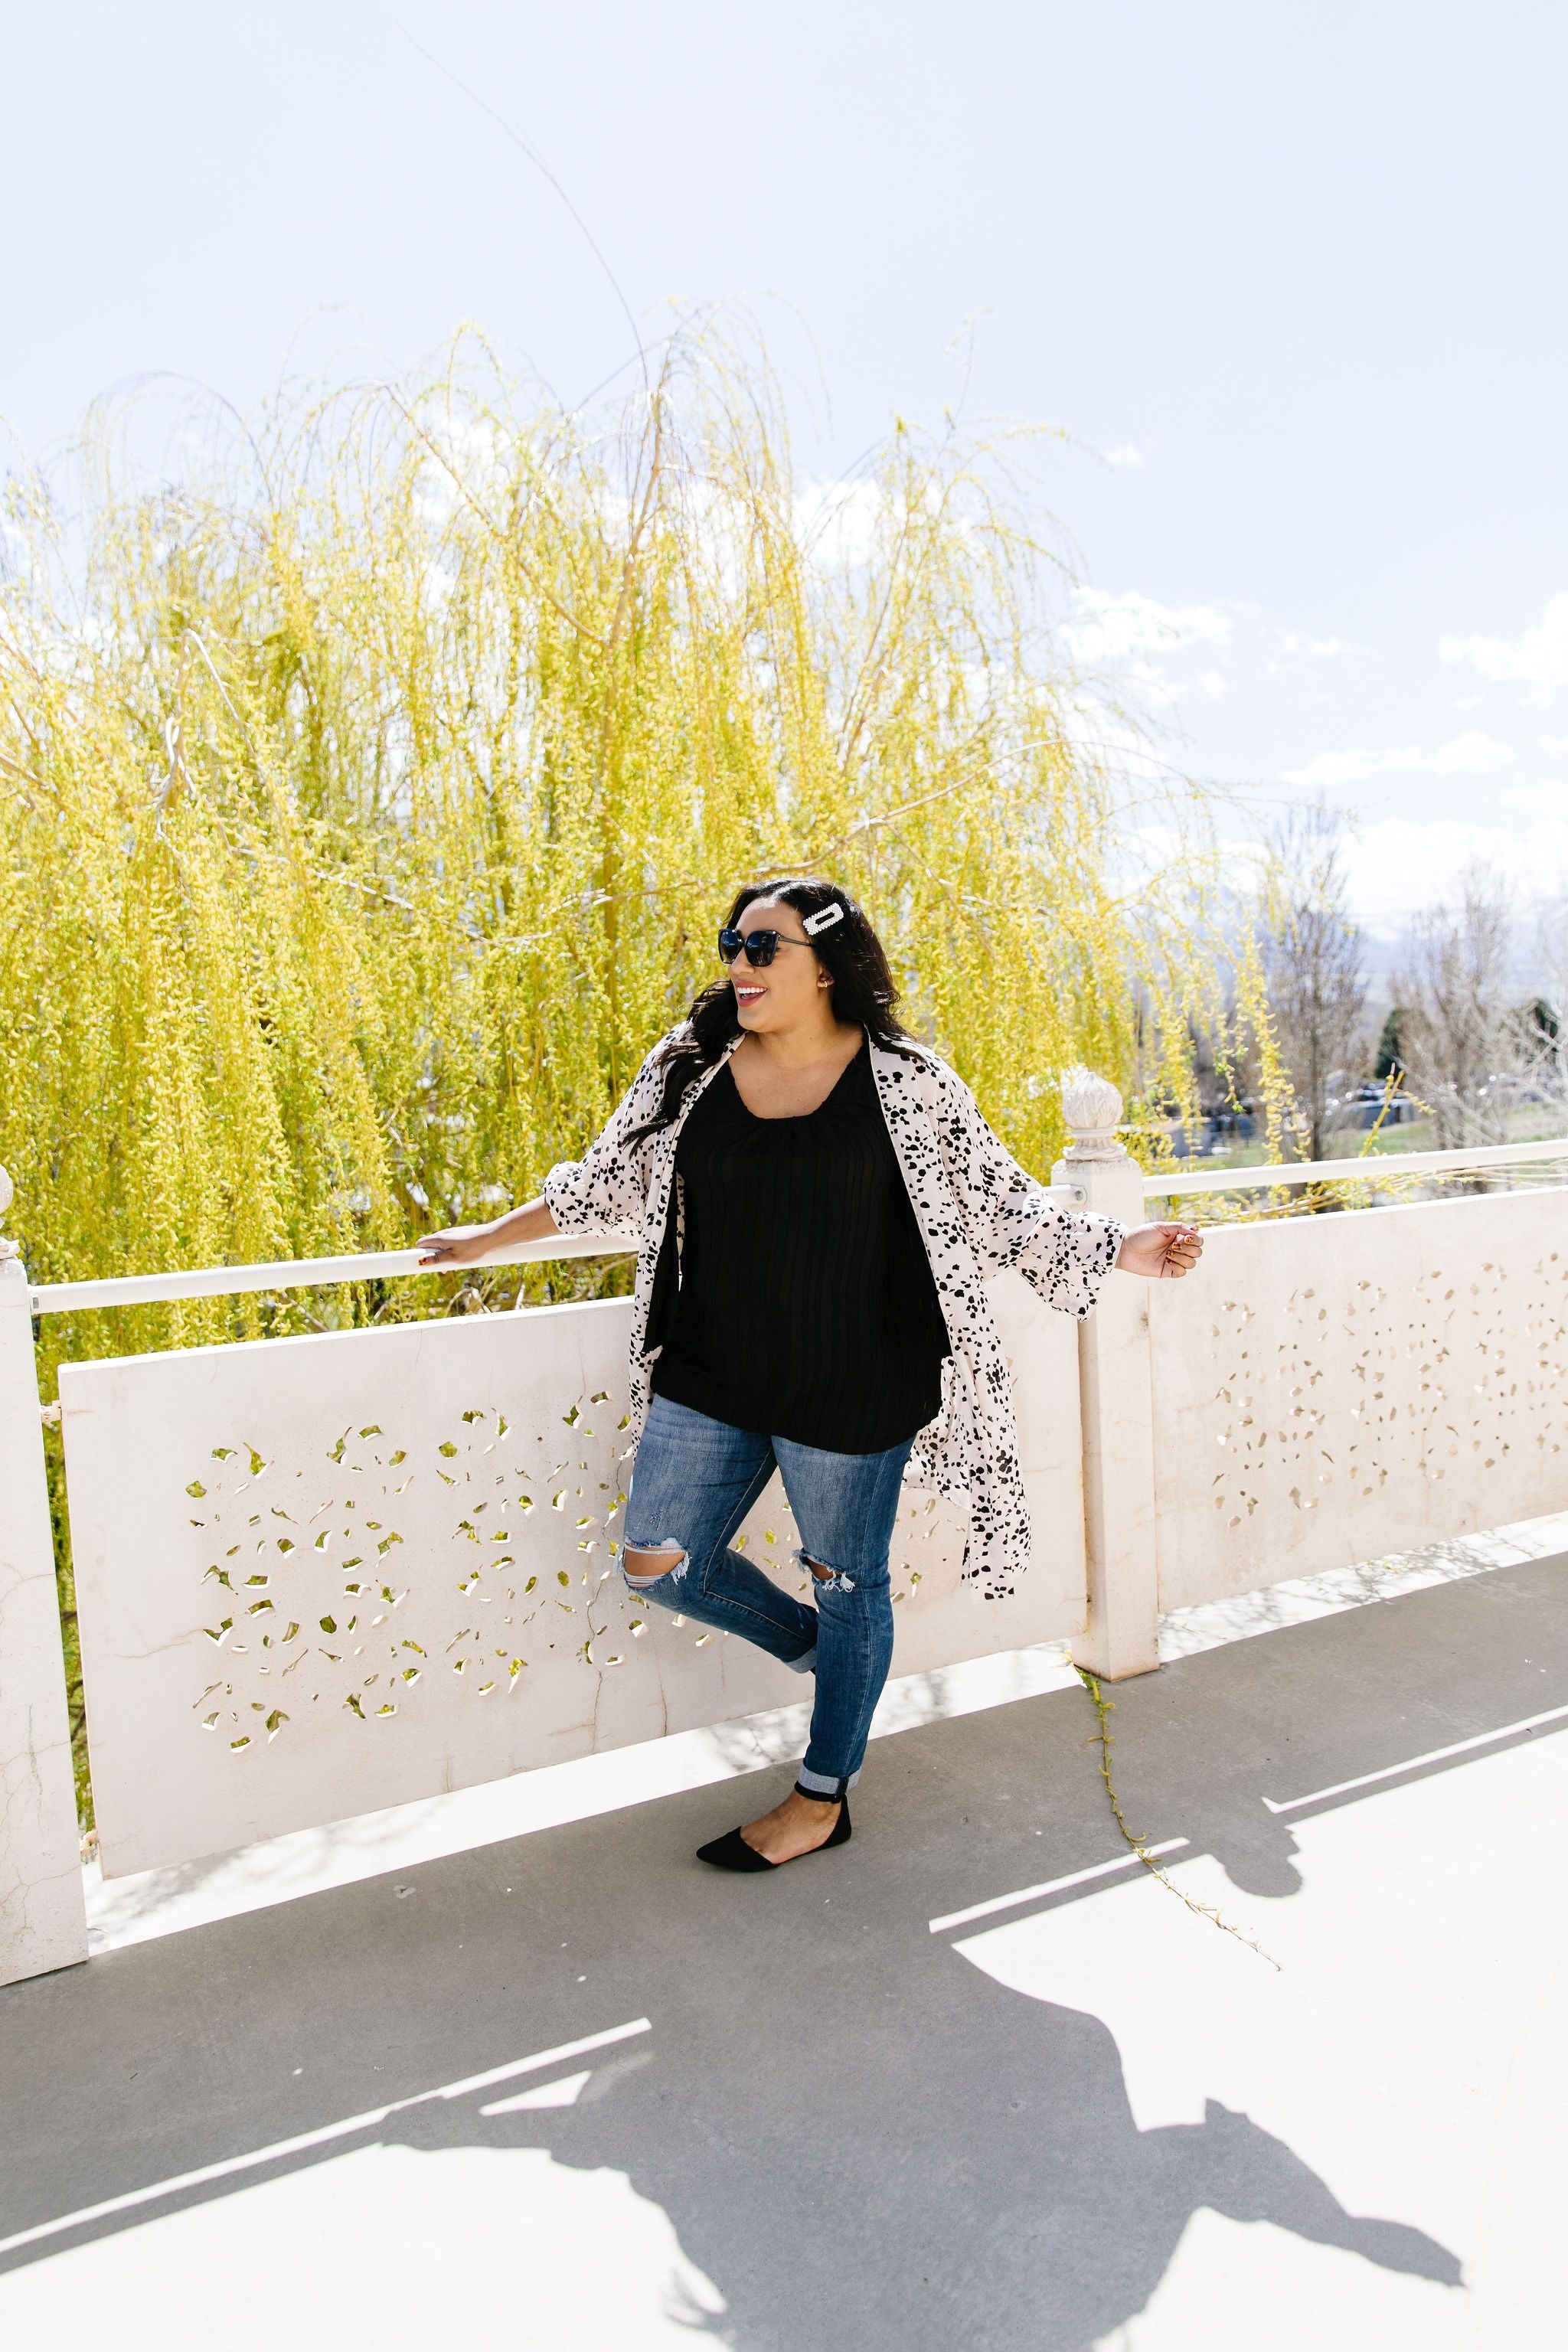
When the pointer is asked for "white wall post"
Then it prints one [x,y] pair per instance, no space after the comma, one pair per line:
[43,1917]
[1114,1368]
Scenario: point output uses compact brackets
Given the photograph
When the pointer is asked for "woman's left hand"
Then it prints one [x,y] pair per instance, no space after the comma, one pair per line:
[1161,1251]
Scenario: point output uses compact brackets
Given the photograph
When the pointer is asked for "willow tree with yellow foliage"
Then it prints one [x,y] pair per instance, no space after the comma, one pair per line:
[371,792]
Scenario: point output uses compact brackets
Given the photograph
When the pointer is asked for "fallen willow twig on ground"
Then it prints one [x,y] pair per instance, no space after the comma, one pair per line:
[1102,1707]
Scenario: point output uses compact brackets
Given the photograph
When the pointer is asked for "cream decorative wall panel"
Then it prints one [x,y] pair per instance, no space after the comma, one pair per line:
[1328,1388]
[319,1576]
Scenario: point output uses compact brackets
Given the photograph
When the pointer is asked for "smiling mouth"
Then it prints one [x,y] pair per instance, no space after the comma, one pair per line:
[748,996]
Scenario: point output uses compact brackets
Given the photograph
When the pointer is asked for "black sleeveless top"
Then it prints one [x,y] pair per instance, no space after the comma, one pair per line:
[806,1307]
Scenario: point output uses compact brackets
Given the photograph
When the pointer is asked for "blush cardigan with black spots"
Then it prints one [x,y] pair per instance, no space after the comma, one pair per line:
[979,1213]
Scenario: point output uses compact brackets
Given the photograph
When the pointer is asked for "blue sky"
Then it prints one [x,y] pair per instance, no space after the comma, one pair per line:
[1295,274]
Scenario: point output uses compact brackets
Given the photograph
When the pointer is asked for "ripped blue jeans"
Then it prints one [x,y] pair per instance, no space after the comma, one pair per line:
[694,1481]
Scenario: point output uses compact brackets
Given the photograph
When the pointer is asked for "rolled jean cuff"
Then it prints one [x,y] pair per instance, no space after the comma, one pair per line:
[825,1786]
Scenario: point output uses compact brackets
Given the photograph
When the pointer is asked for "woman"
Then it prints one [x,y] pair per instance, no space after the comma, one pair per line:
[817,1202]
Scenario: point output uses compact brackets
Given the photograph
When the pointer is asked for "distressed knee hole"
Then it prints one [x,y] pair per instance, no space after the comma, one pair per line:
[651,1563]
[832,1579]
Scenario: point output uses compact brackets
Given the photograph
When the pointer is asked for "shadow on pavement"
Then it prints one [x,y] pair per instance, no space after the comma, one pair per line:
[975,2173]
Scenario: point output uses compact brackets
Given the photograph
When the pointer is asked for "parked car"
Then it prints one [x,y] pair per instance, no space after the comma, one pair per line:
[1362,1106]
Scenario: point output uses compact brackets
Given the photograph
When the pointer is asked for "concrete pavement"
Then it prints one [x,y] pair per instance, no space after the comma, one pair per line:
[574,2092]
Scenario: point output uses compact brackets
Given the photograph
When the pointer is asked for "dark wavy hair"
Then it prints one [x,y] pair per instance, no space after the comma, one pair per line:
[850,953]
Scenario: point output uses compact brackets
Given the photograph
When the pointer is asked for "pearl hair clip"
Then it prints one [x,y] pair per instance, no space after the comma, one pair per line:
[823,920]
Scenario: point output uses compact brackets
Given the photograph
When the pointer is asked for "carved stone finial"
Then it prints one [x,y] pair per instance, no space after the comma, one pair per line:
[7,1192]
[1093,1109]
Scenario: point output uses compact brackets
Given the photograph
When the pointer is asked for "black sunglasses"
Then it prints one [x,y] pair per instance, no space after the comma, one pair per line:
[759,947]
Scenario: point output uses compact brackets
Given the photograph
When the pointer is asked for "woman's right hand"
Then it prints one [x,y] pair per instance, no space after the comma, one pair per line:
[457,1245]
[466,1244]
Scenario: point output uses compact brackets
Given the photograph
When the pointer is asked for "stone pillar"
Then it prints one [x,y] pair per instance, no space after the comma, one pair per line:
[43,1919]
[1115,1384]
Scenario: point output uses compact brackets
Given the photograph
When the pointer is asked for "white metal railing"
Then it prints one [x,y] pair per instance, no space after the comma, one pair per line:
[376,1266]
[1377,1166]
[296,1274]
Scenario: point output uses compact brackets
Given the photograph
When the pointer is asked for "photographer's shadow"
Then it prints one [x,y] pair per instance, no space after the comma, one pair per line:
[955,2163]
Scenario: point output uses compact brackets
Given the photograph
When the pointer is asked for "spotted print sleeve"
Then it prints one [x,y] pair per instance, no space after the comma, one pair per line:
[605,1192]
[1010,1218]
[1067,1257]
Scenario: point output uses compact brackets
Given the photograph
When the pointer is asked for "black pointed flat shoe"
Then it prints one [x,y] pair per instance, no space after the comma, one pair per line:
[731,1852]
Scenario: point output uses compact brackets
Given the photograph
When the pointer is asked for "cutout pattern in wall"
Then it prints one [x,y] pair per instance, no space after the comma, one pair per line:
[351,1581]
[1390,1385]
[1342,1392]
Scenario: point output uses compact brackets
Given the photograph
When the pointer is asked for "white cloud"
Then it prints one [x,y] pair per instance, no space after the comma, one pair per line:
[840,521]
[1128,454]
[1470,754]
[1332,769]
[1538,800]
[466,455]
[1556,745]
[1537,658]
[1402,863]
[1128,625]
[1298,645]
